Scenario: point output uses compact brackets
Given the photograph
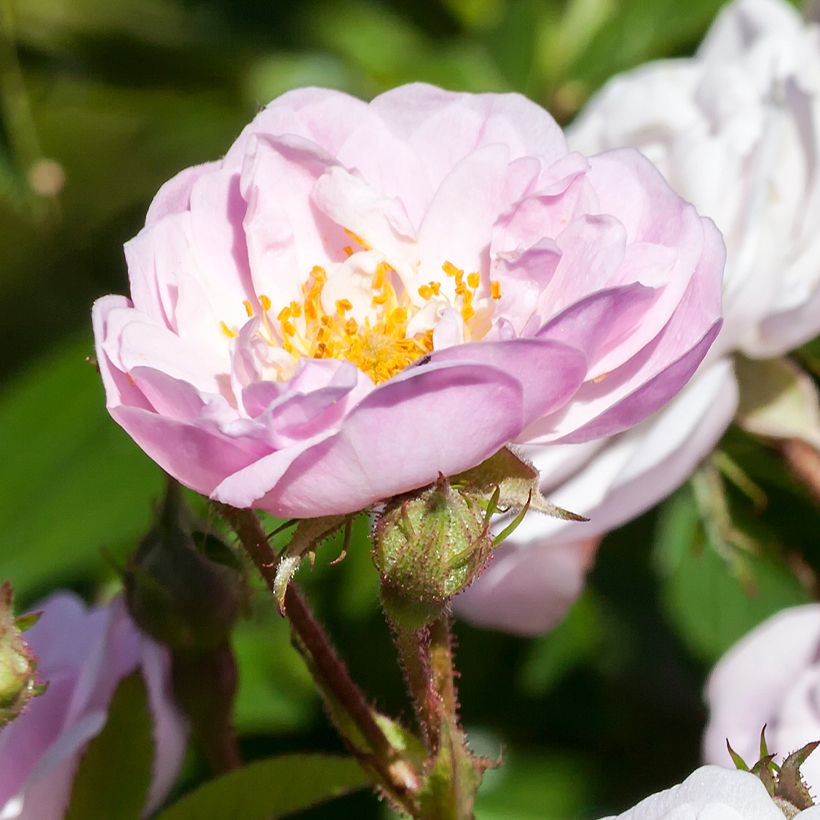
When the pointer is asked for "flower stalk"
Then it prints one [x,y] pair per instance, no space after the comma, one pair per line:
[395,774]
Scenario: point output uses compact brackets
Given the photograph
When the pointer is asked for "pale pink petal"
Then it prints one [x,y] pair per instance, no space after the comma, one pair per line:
[119,389]
[385,161]
[527,590]
[171,397]
[174,197]
[286,234]
[83,654]
[319,115]
[639,388]
[443,127]
[592,248]
[458,224]
[381,222]
[217,244]
[589,326]
[134,340]
[400,437]
[548,371]
[197,456]
[45,792]
[544,216]
[261,477]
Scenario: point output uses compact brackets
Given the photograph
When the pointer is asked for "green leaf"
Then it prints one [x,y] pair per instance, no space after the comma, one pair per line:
[74,483]
[513,482]
[271,787]
[711,606]
[115,771]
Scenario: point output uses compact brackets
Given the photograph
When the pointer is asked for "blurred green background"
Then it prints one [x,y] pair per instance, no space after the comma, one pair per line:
[101,102]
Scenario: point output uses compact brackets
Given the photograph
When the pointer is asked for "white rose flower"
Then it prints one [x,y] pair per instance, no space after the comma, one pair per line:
[735,129]
[772,677]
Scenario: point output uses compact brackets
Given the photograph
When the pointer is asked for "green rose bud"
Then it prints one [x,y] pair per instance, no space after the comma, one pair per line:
[428,546]
[18,665]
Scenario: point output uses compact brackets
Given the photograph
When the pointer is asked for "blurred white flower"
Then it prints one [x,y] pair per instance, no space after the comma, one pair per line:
[735,129]
[771,677]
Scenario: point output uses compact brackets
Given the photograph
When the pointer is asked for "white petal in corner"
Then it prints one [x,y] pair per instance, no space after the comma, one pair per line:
[709,793]
[638,469]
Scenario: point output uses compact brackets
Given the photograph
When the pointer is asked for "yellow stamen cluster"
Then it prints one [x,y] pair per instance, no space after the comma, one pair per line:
[466,287]
[381,348]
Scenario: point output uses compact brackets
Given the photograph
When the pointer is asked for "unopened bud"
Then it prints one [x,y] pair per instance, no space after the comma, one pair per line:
[18,665]
[184,588]
[429,546]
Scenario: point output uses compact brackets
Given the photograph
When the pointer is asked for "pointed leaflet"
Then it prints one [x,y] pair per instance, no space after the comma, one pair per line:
[308,534]
[790,783]
[517,482]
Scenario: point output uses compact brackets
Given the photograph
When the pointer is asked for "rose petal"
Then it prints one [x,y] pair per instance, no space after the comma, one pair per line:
[400,437]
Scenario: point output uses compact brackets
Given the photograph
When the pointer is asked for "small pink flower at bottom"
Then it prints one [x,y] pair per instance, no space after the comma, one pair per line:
[83,654]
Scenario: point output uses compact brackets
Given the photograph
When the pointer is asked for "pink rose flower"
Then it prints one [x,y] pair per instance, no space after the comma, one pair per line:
[771,676]
[360,297]
[83,654]
[735,129]
[713,793]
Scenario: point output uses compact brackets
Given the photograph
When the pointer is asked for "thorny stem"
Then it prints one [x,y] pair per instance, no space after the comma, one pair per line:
[396,774]
[427,661]
[412,648]
[441,665]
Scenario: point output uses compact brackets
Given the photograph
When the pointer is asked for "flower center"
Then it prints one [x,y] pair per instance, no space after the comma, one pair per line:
[379,346]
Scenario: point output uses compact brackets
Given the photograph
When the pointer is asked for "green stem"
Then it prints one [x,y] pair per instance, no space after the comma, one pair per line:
[441,665]
[395,774]
[453,774]
[413,652]
[426,657]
